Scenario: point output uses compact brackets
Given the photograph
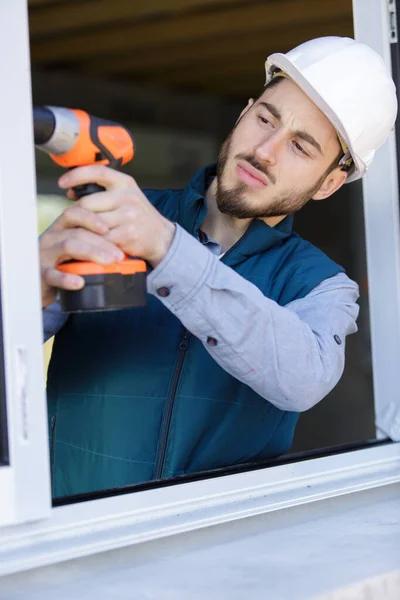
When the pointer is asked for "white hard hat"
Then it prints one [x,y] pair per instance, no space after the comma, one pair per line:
[351,85]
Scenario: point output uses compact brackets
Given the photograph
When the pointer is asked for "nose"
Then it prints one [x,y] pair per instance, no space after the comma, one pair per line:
[267,149]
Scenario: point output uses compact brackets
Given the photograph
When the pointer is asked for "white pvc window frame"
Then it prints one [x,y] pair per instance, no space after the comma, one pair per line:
[381,212]
[24,484]
[86,528]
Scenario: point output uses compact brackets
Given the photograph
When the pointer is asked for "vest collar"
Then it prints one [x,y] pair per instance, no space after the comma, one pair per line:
[258,238]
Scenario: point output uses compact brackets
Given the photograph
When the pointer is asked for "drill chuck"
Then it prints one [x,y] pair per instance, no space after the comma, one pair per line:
[56,129]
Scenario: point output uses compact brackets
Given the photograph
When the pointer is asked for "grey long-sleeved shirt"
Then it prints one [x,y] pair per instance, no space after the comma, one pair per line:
[292,356]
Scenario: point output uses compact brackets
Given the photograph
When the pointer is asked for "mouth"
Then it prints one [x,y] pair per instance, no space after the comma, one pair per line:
[251,176]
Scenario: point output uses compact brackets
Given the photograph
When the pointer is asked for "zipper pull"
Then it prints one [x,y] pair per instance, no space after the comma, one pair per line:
[184,345]
[53,422]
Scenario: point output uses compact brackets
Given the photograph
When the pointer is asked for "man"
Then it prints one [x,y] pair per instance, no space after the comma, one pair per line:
[246,323]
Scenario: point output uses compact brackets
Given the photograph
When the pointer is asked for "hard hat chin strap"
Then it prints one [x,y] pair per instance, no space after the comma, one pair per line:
[346,162]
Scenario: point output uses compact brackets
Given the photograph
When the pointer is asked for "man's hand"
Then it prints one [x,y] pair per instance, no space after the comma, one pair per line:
[76,234]
[101,228]
[134,225]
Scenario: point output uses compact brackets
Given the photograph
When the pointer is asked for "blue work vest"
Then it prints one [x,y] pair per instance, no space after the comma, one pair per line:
[133,397]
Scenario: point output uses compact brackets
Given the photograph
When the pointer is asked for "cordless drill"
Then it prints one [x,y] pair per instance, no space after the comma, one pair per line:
[73,138]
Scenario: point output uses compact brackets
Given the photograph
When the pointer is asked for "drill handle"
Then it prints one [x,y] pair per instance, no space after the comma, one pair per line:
[86,189]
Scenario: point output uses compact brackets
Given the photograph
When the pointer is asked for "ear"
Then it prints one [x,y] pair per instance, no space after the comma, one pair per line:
[333,181]
[244,111]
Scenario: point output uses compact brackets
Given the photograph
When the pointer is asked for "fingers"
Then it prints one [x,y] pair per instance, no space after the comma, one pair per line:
[83,245]
[71,195]
[109,178]
[80,232]
[101,202]
[123,234]
[65,281]
[129,213]
[79,244]
[77,216]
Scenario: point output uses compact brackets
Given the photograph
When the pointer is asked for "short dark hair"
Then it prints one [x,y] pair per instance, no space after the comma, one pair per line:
[271,83]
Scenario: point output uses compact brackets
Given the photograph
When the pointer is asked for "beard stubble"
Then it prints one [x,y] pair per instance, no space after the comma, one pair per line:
[233,201]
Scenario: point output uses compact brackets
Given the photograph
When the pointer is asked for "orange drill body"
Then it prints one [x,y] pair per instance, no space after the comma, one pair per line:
[98,142]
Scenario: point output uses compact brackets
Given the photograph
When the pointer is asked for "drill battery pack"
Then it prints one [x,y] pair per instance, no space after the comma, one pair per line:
[111,287]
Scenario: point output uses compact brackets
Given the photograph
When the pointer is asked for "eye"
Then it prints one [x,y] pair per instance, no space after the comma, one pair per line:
[300,148]
[264,120]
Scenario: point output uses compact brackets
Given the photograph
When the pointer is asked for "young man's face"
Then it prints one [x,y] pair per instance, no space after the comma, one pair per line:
[278,156]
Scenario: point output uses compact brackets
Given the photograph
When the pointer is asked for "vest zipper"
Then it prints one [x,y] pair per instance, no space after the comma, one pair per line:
[52,445]
[183,346]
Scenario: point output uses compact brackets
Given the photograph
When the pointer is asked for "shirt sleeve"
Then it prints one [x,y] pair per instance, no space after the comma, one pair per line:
[292,356]
[53,320]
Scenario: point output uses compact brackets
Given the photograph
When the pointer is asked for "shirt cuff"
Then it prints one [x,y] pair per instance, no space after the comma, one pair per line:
[182,272]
